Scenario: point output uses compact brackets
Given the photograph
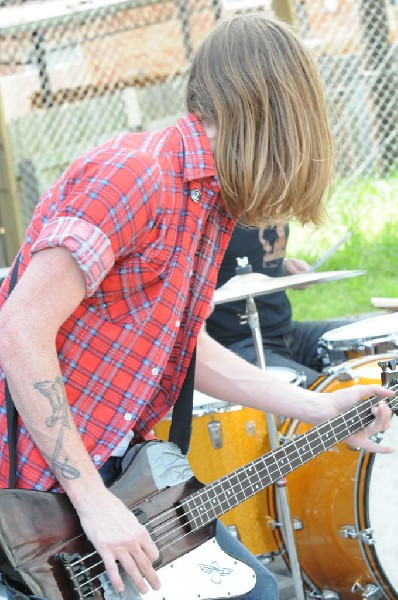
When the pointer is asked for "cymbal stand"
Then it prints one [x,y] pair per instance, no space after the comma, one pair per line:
[254,324]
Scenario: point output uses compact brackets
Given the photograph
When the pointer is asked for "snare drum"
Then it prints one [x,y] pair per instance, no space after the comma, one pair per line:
[344,507]
[369,336]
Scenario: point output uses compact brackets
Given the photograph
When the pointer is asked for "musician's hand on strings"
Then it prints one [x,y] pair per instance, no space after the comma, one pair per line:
[347,397]
[363,438]
[118,536]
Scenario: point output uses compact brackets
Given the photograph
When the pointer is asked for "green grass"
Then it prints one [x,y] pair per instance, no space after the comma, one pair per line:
[367,208]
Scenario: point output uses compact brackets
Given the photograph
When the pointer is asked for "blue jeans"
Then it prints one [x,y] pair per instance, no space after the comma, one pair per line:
[266,587]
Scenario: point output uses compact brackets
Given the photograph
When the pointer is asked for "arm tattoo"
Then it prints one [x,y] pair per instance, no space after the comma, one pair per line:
[55,394]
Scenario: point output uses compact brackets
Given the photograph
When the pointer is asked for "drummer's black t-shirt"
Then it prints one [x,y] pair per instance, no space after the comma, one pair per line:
[265,249]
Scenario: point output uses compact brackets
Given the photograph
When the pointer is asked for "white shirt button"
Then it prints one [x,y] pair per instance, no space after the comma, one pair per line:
[128,417]
[97,457]
[178,323]
[190,273]
[155,371]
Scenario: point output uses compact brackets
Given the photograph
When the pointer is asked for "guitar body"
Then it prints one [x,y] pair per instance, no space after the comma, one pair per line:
[45,545]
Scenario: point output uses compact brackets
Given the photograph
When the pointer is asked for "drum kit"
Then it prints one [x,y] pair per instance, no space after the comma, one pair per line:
[333,520]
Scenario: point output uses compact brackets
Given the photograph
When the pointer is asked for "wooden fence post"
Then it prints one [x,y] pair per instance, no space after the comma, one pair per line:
[11,231]
[284,10]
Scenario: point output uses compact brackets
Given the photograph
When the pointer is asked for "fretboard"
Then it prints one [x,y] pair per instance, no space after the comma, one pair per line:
[216,498]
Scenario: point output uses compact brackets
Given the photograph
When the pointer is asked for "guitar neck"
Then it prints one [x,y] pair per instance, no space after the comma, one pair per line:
[216,498]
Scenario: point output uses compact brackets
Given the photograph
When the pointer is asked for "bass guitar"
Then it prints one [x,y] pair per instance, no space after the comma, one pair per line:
[47,553]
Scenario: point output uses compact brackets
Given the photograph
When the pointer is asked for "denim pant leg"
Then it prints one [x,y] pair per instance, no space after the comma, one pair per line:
[276,355]
[266,587]
[305,338]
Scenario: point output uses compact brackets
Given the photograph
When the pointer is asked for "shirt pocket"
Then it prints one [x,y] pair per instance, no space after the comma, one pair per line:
[132,290]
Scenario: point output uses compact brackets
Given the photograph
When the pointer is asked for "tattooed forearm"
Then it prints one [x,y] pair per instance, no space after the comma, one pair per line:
[55,393]
[64,469]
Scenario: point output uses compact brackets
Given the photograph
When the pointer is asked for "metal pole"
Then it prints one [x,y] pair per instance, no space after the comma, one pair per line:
[183,15]
[253,322]
[39,53]
[284,10]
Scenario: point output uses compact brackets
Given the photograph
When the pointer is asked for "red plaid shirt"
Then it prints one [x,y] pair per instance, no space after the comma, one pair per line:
[143,219]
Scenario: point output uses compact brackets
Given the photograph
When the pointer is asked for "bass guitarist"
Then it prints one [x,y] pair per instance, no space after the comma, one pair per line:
[116,276]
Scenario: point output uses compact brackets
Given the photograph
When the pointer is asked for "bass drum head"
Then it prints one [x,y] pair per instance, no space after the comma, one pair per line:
[329,505]
[379,511]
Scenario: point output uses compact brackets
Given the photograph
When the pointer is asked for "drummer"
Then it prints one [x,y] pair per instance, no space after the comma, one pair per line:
[287,343]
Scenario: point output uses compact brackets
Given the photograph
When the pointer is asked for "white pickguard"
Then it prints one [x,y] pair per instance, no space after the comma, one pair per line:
[206,573]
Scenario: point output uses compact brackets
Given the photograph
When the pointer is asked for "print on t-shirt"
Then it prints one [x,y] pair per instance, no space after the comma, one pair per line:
[274,241]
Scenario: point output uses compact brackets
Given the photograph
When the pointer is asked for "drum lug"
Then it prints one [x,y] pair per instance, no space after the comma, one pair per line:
[369,590]
[284,439]
[271,523]
[297,524]
[234,531]
[348,532]
[347,375]
[215,434]
[325,595]
[365,535]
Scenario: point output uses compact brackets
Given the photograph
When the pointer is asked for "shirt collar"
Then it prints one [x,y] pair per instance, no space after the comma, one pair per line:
[198,156]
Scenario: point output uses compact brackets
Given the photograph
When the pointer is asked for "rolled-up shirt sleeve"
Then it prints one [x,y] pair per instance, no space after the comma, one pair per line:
[100,209]
[89,246]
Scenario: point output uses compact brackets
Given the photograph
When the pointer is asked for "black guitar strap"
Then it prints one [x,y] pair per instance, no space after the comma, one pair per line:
[181,421]
[12,416]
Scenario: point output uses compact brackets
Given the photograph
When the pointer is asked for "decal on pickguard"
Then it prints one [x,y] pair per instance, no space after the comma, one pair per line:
[215,571]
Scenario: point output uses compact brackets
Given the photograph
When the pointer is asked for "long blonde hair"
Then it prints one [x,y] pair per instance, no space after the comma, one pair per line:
[254,79]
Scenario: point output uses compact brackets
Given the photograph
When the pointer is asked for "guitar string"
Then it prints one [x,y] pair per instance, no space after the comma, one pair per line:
[202,493]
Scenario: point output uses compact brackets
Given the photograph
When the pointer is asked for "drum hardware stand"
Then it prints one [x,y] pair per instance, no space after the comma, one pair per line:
[254,324]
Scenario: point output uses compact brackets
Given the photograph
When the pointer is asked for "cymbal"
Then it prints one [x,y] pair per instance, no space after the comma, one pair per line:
[257,284]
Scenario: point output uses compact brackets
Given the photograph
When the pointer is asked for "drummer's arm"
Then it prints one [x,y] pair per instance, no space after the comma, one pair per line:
[292,266]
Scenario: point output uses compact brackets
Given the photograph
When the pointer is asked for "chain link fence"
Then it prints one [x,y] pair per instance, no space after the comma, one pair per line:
[75,72]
